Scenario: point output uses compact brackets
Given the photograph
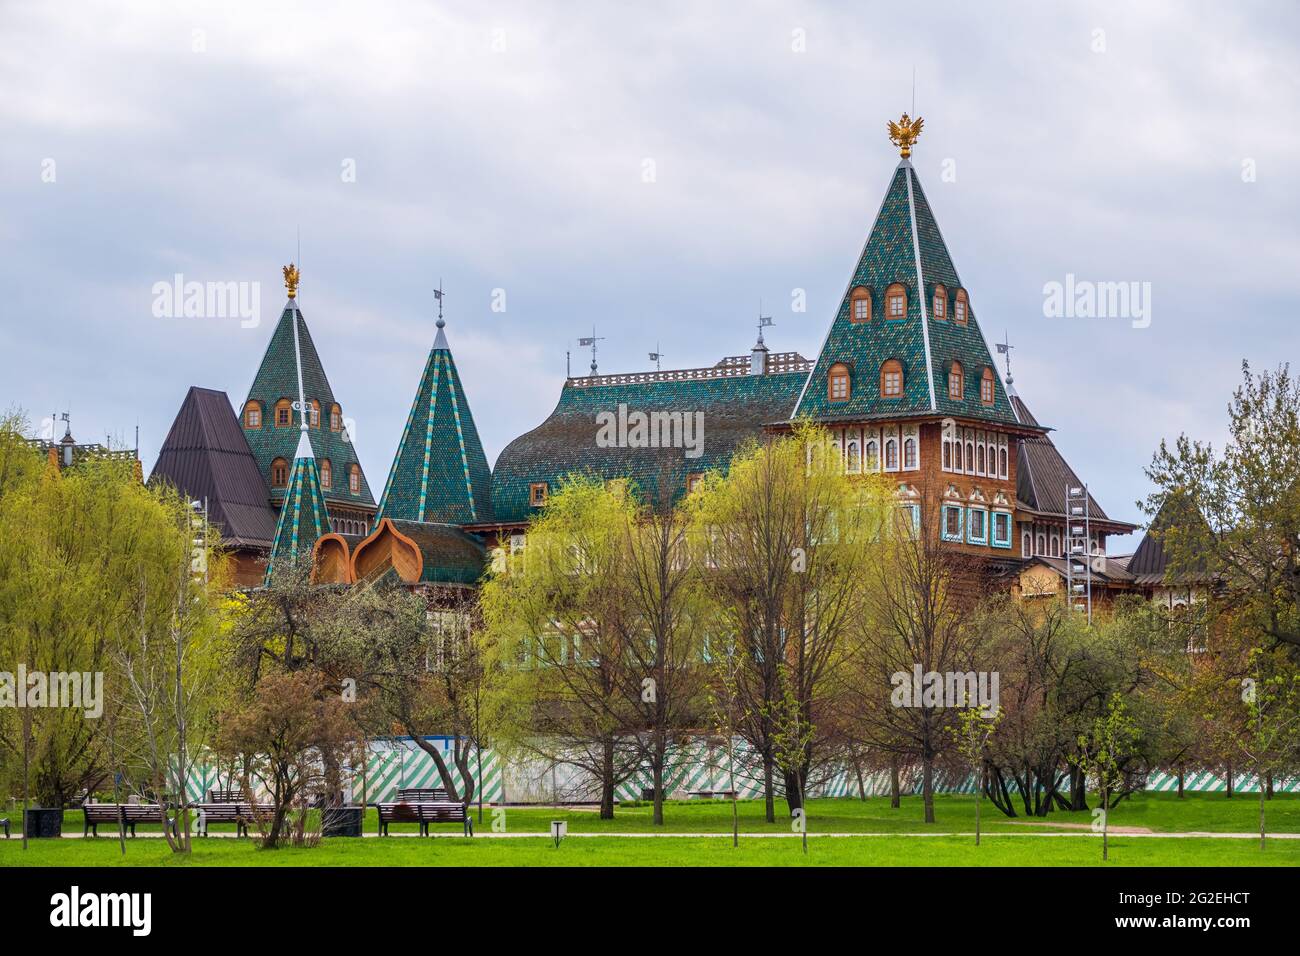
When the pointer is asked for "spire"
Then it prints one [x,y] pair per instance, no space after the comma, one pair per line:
[290,370]
[440,472]
[303,517]
[904,253]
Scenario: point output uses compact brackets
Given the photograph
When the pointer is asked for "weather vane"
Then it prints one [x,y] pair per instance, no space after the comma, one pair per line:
[1004,348]
[657,357]
[291,280]
[904,133]
[584,342]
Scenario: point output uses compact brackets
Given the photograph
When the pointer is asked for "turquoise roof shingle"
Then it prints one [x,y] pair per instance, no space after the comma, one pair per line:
[440,473]
[904,246]
[277,379]
[734,408]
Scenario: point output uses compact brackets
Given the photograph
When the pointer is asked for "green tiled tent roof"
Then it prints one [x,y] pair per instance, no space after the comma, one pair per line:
[904,246]
[277,378]
[303,518]
[735,409]
[439,472]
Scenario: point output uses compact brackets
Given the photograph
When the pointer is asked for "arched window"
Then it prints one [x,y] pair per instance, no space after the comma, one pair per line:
[354,478]
[986,387]
[891,454]
[1026,545]
[891,379]
[314,407]
[853,457]
[956,386]
[253,415]
[838,383]
[283,413]
[940,308]
[860,305]
[896,301]
[947,456]
[1056,546]
[961,307]
[1002,462]
[1042,544]
[336,418]
[872,456]
[326,474]
[279,473]
[909,454]
[979,459]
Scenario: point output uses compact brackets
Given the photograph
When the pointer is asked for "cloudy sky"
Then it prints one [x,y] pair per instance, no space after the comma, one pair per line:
[654,173]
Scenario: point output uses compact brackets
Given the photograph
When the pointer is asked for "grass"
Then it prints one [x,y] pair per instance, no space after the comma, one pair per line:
[1156,813]
[686,851]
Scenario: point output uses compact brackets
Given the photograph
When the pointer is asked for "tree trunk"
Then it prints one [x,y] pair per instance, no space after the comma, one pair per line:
[1078,789]
[657,772]
[927,786]
[857,770]
[793,791]
[607,780]
[1231,775]
[895,796]
[769,796]
[1268,785]
[1262,798]
[1181,781]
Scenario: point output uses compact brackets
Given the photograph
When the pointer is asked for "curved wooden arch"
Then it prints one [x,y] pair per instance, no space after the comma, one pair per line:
[387,547]
[331,562]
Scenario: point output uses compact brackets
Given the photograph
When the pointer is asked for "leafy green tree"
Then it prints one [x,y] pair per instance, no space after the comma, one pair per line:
[782,539]
[1101,754]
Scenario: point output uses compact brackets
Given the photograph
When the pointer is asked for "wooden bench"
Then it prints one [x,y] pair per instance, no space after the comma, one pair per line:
[423,795]
[226,796]
[240,814]
[710,794]
[122,814]
[424,813]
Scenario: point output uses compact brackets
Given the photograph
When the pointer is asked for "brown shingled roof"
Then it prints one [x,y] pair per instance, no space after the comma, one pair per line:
[1042,474]
[206,456]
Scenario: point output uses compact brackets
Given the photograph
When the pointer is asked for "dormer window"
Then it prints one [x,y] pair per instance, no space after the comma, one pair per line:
[956,386]
[986,387]
[891,379]
[961,308]
[537,494]
[896,302]
[838,383]
[940,309]
[279,473]
[860,305]
[693,481]
[313,408]
[336,418]
[354,478]
[326,474]
[283,413]
[253,415]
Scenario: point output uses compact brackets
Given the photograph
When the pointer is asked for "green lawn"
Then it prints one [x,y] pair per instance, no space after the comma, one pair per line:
[683,851]
[1156,813]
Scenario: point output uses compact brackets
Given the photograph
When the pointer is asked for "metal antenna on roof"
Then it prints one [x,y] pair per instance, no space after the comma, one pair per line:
[584,342]
[568,365]
[656,356]
[913,89]
[1004,348]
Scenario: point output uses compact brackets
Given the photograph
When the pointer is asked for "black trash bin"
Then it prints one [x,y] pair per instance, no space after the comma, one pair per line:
[43,822]
[341,821]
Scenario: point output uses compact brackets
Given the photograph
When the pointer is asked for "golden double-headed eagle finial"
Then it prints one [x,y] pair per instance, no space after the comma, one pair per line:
[291,280]
[904,133]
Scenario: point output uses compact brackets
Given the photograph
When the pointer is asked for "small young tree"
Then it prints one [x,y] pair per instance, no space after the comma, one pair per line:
[973,731]
[792,736]
[1101,754]
[282,736]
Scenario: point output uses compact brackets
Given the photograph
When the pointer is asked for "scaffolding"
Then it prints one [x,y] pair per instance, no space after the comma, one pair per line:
[1078,555]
